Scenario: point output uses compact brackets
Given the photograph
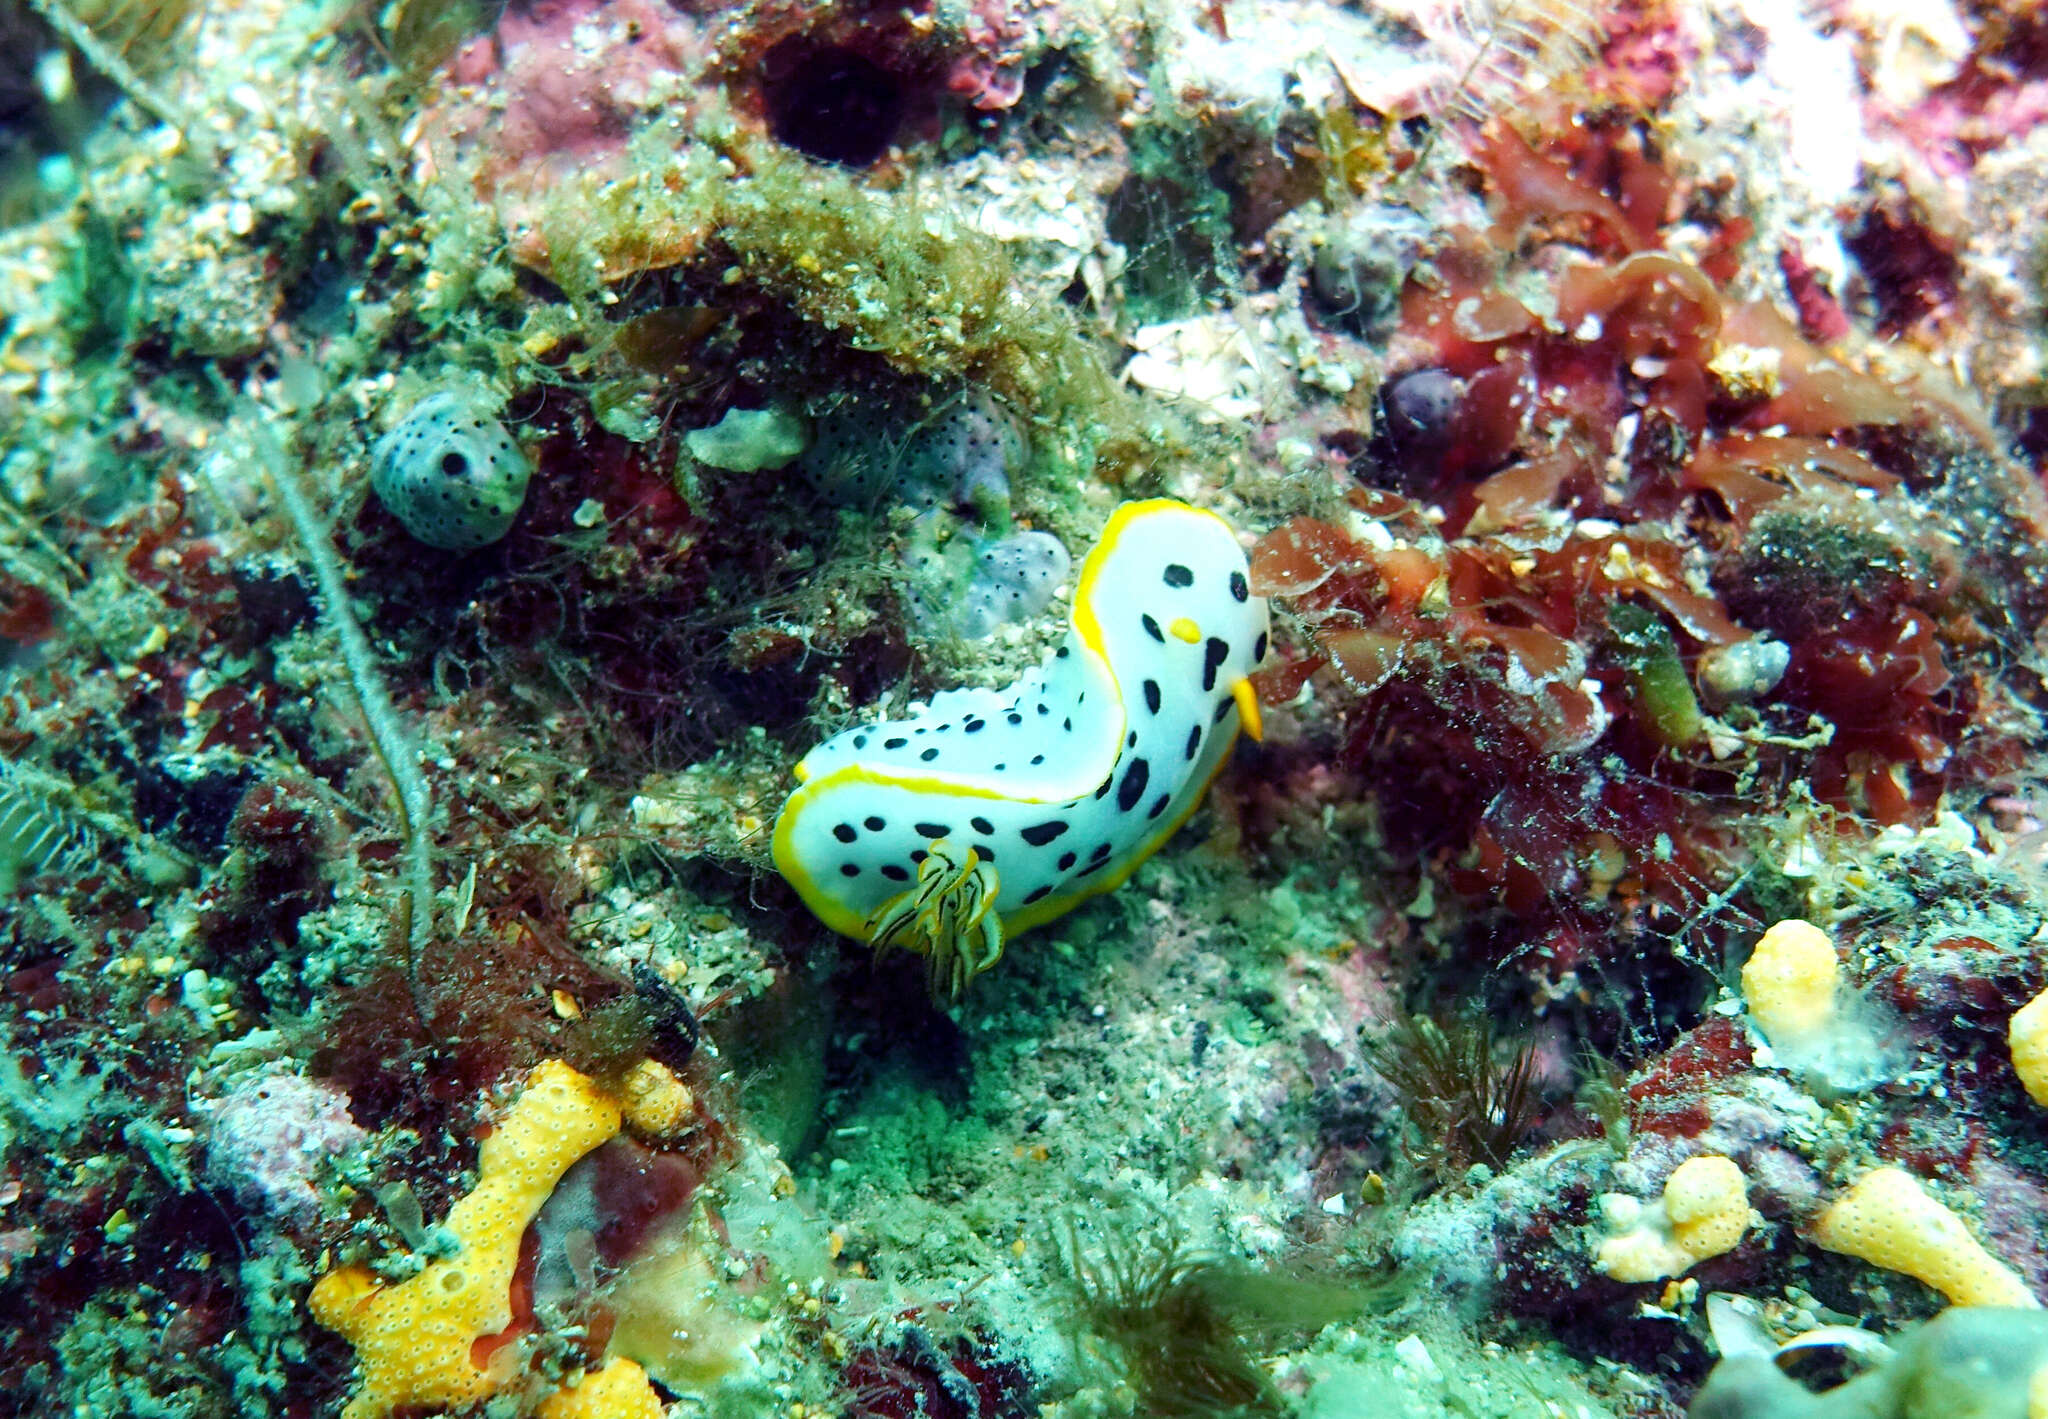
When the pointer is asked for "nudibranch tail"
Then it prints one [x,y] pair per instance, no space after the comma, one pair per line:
[1066,781]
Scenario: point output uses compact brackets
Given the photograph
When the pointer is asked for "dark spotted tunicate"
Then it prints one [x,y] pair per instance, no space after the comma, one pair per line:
[451,473]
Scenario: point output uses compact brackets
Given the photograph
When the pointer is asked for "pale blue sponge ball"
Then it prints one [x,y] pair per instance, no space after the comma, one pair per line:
[962,454]
[1014,579]
[973,589]
[451,473]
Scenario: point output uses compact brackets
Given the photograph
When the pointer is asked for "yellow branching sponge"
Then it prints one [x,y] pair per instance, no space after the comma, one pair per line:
[413,1340]
[1887,1219]
[2027,1037]
[1790,983]
[1704,1212]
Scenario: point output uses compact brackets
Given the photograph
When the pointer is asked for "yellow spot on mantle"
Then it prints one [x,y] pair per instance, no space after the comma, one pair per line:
[1184,629]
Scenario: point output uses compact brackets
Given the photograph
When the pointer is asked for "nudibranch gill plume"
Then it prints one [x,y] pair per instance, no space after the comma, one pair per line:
[990,812]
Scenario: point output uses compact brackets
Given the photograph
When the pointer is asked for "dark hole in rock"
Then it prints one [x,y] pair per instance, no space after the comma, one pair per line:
[832,103]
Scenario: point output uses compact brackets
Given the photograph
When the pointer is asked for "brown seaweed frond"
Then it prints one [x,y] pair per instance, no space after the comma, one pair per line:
[421,35]
[1463,1102]
[1187,1327]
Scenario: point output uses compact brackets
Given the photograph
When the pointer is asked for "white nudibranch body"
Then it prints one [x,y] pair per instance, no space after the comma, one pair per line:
[989,812]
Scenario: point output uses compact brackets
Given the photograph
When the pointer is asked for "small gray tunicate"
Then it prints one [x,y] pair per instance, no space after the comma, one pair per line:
[451,473]
[1744,670]
[963,455]
[1358,268]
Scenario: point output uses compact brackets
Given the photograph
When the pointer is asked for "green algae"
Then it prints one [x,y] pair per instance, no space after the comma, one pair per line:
[1657,680]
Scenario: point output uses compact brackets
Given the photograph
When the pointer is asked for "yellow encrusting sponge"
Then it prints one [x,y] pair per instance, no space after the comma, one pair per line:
[2027,1038]
[1888,1219]
[617,1391]
[413,1340]
[1790,983]
[1703,1213]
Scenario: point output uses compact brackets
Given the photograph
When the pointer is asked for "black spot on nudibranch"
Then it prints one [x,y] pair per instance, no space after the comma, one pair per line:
[928,755]
[1223,707]
[845,833]
[981,825]
[1101,852]
[1178,576]
[1214,653]
[894,873]
[1014,719]
[1135,779]
[1152,629]
[932,830]
[1039,834]
[875,825]
[1037,759]
[896,743]
[1035,894]
[1194,740]
[1158,805]
[1259,648]
[974,726]
[1240,589]
[1152,696]
[1066,860]
[860,741]
[847,869]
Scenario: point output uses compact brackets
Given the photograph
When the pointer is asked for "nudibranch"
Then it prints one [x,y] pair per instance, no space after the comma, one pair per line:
[989,812]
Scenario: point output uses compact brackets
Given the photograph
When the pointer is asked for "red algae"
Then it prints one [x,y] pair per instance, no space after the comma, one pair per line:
[1651,446]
